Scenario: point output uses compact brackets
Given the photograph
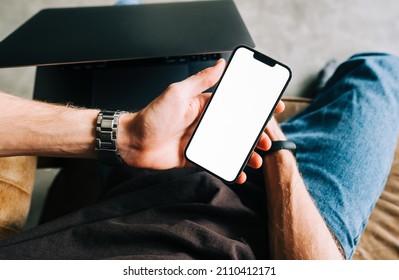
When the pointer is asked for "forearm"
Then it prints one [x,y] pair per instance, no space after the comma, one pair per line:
[37,128]
[296,228]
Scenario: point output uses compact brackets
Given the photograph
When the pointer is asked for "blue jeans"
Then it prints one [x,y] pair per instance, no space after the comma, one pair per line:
[346,141]
[127,2]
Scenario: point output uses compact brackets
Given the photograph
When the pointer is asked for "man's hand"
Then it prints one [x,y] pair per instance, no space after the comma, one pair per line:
[156,136]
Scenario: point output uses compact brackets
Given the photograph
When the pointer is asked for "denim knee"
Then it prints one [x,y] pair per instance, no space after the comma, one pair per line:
[376,74]
[385,67]
[346,140]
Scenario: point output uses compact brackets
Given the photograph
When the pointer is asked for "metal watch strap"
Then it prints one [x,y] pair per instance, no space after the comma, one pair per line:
[106,132]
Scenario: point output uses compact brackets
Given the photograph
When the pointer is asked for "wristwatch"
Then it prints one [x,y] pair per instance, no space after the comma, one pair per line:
[106,132]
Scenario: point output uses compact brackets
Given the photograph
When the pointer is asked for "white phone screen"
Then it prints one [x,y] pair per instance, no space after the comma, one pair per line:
[237,113]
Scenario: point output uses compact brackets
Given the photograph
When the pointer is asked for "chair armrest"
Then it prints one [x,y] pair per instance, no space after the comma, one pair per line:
[17,176]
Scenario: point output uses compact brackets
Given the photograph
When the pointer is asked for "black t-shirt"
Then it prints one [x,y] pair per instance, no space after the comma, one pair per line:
[172,214]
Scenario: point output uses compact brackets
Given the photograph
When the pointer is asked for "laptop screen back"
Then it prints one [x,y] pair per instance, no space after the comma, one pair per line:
[139,82]
[114,33]
[122,57]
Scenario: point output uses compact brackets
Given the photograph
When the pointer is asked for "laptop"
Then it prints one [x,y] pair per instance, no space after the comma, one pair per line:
[122,57]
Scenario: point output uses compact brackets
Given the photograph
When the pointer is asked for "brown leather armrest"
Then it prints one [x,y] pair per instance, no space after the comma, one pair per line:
[17,175]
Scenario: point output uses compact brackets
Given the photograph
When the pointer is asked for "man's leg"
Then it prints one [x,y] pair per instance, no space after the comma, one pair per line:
[346,140]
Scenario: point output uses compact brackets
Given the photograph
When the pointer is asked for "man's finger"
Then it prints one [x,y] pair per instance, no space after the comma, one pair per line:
[255,161]
[280,107]
[264,143]
[203,80]
[242,178]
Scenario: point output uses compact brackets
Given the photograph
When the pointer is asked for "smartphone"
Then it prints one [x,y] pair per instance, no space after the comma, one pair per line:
[240,107]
